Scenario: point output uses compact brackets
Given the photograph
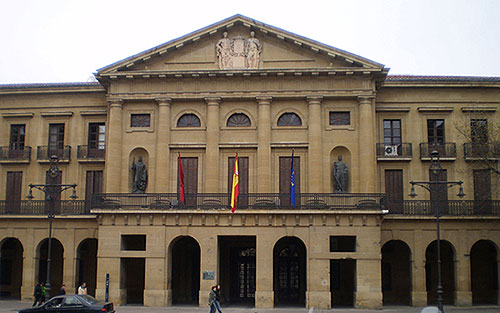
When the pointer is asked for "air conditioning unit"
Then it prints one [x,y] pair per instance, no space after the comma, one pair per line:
[390,150]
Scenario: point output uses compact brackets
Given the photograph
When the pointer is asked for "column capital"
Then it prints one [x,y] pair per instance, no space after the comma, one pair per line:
[314,99]
[115,102]
[212,100]
[166,101]
[366,99]
[263,99]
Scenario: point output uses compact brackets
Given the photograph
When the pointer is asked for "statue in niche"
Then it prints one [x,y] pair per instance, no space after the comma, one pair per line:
[140,178]
[238,52]
[253,50]
[340,175]
[224,48]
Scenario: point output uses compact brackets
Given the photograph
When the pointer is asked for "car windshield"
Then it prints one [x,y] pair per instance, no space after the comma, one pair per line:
[90,299]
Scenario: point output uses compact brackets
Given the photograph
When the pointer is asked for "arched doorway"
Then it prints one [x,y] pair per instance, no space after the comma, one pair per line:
[86,265]
[396,273]
[11,268]
[289,271]
[56,264]
[185,270]
[447,272]
[484,272]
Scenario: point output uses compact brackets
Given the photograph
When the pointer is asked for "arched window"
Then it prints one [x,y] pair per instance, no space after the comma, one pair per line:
[188,120]
[289,119]
[238,120]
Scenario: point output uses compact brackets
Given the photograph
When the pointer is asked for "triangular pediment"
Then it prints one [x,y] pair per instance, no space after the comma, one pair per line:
[226,46]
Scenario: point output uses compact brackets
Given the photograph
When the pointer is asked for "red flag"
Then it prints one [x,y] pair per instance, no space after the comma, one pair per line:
[181,179]
[235,190]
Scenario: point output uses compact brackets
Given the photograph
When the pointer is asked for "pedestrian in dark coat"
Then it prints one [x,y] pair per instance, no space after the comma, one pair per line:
[211,299]
[38,294]
[62,290]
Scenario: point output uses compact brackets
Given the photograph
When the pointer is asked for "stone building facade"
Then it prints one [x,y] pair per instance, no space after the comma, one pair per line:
[273,98]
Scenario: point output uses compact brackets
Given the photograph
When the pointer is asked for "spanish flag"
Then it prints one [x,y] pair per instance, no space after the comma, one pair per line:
[235,189]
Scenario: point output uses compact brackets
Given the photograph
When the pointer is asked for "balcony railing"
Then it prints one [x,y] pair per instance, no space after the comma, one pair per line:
[481,150]
[86,153]
[447,150]
[44,153]
[15,155]
[399,151]
[41,207]
[446,207]
[347,201]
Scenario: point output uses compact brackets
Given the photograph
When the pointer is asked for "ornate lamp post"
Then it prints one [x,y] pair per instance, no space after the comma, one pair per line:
[433,187]
[51,191]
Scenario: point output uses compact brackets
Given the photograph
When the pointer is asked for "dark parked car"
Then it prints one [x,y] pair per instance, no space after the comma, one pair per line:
[72,304]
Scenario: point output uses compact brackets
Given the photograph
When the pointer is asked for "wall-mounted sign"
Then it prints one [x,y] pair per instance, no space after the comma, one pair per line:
[208,275]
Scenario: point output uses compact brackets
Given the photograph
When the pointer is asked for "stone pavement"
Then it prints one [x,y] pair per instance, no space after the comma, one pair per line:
[7,306]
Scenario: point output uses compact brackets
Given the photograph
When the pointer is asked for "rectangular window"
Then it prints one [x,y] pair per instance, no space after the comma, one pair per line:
[482,191]
[97,136]
[435,132]
[392,132]
[93,185]
[394,189]
[340,118]
[190,169]
[140,120]
[479,131]
[14,189]
[342,243]
[17,136]
[56,139]
[133,243]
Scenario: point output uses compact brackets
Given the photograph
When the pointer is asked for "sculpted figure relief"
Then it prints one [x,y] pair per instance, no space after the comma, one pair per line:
[238,53]
[340,175]
[253,50]
[140,178]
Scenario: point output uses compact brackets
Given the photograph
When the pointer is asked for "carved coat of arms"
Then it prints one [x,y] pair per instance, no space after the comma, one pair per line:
[238,53]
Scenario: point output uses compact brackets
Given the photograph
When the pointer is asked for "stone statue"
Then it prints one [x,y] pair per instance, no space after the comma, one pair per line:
[253,50]
[140,176]
[224,48]
[340,175]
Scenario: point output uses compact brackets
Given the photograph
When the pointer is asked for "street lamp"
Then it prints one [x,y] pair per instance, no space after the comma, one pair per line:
[433,187]
[51,191]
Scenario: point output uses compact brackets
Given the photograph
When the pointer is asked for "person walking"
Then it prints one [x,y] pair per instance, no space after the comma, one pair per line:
[38,294]
[211,299]
[62,290]
[82,290]
[217,298]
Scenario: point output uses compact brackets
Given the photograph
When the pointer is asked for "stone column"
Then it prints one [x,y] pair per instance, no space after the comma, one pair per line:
[212,150]
[464,288]
[30,261]
[367,158]
[264,146]
[369,284]
[113,170]
[208,262]
[318,284]
[419,292]
[111,266]
[315,154]
[162,142]
[264,294]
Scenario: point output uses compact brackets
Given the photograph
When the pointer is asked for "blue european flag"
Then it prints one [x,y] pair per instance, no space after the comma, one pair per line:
[292,184]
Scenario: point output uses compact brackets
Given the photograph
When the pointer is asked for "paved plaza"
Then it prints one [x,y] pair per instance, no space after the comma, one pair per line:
[7,306]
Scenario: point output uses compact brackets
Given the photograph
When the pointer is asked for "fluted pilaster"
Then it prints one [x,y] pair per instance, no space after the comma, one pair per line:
[367,159]
[315,151]
[264,147]
[212,150]
[114,146]
[162,142]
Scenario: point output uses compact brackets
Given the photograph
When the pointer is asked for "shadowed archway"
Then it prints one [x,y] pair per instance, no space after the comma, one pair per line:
[396,273]
[185,270]
[447,272]
[11,268]
[56,264]
[484,272]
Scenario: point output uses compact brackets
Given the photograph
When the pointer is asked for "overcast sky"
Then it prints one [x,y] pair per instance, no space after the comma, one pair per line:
[67,41]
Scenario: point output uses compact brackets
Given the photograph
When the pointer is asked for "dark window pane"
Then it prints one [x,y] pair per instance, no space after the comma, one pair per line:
[340,118]
[435,132]
[342,243]
[289,119]
[97,135]
[17,136]
[479,130]
[56,137]
[188,120]
[392,132]
[140,120]
[238,120]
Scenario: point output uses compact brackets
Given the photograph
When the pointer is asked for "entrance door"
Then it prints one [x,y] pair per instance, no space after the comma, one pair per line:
[342,282]
[394,190]
[13,193]
[482,191]
[132,279]
[285,176]
[93,185]
[290,271]
[190,169]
